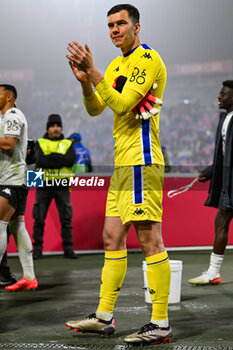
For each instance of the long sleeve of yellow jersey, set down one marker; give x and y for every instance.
(120, 104)
(94, 104)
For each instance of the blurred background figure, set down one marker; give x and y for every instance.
(168, 167)
(83, 156)
(6, 277)
(13, 190)
(220, 191)
(56, 156)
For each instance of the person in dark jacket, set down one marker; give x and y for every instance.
(168, 167)
(56, 156)
(221, 186)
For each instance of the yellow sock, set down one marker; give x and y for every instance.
(113, 274)
(159, 278)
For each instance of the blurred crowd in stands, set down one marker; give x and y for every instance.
(188, 132)
(187, 123)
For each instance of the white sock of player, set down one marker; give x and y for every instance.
(107, 316)
(215, 265)
(3, 238)
(161, 323)
(24, 247)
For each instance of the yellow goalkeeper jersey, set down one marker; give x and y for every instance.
(136, 141)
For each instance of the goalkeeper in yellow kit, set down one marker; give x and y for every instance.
(135, 193)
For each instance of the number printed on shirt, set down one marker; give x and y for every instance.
(138, 76)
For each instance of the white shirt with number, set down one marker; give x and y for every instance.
(12, 165)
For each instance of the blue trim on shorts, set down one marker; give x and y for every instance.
(146, 142)
(157, 262)
(137, 184)
(124, 257)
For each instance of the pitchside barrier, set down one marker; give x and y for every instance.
(187, 223)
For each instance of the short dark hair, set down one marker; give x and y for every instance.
(132, 11)
(10, 88)
(228, 83)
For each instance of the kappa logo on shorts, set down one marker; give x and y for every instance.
(138, 211)
(35, 178)
(7, 191)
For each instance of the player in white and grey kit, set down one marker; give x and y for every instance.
(13, 191)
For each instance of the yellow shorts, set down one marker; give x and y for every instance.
(135, 193)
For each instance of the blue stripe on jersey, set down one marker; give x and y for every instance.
(146, 47)
(146, 142)
(137, 184)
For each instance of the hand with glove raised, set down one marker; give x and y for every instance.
(146, 107)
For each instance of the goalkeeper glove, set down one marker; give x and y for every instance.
(145, 109)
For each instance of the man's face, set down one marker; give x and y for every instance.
(4, 96)
(122, 30)
(54, 132)
(225, 99)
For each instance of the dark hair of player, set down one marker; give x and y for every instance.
(132, 11)
(10, 88)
